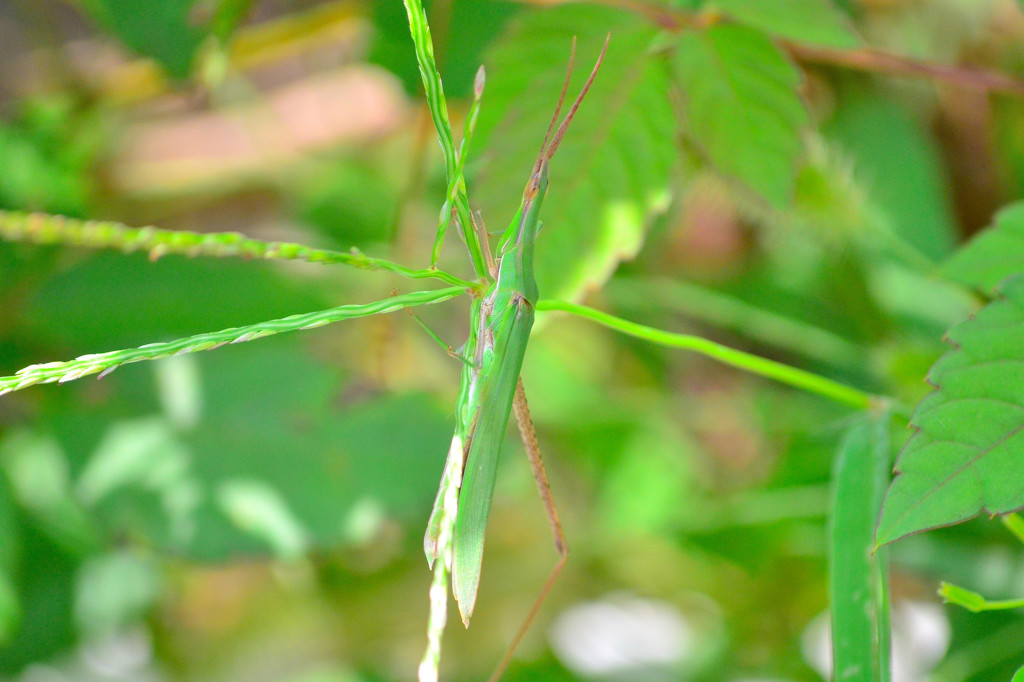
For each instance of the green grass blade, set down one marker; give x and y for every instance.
(106, 362)
(439, 113)
(40, 228)
(857, 578)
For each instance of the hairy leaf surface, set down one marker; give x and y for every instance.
(968, 452)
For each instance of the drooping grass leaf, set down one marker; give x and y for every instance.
(610, 174)
(818, 22)
(742, 107)
(994, 254)
(859, 599)
(968, 451)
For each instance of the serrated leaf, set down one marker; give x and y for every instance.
(818, 22)
(610, 174)
(994, 254)
(162, 29)
(968, 451)
(742, 107)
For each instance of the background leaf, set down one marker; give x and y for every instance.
(742, 107)
(968, 451)
(818, 22)
(611, 173)
(898, 160)
(993, 255)
(271, 434)
(162, 29)
(109, 300)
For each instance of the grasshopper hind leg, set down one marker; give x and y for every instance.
(522, 411)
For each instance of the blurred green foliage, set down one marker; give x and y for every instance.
(257, 512)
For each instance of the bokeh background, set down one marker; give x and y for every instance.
(256, 513)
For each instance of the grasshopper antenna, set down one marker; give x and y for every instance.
(560, 133)
(561, 98)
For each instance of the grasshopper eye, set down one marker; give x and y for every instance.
(532, 188)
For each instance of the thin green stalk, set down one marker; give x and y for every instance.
(771, 369)
(749, 320)
(103, 363)
(39, 228)
(439, 113)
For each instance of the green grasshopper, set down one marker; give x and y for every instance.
(500, 324)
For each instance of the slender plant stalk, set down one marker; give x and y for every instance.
(439, 113)
(747, 319)
(103, 363)
(39, 228)
(792, 376)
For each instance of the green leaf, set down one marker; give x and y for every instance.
(817, 22)
(860, 609)
(992, 255)
(611, 173)
(968, 450)
(742, 107)
(275, 466)
(162, 29)
(1019, 675)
